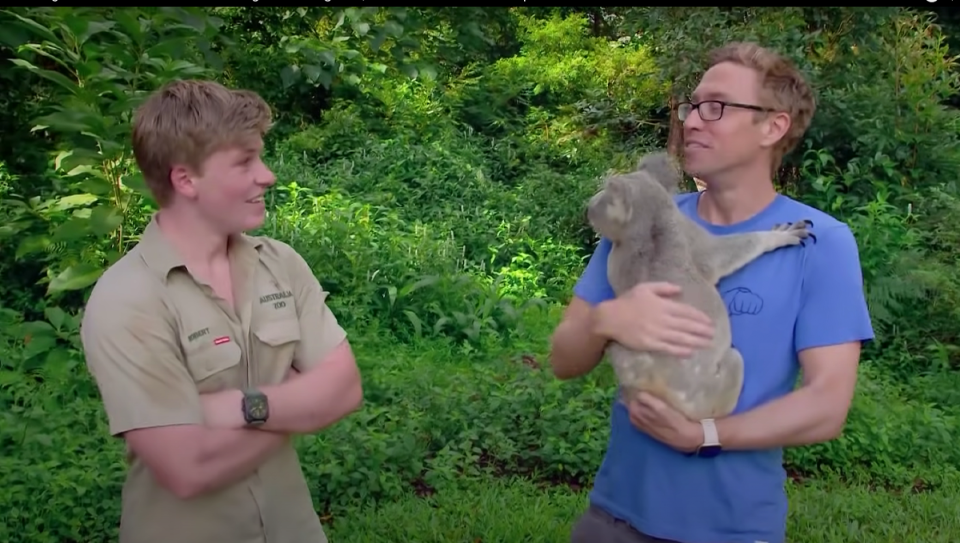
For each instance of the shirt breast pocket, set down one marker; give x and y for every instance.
(215, 367)
(277, 342)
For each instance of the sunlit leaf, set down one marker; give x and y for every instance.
(75, 277)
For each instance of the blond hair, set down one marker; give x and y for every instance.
(184, 122)
(782, 88)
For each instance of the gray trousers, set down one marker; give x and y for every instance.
(598, 526)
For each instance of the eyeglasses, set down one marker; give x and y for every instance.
(712, 110)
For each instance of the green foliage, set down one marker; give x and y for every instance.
(433, 166)
(86, 215)
(411, 278)
(436, 417)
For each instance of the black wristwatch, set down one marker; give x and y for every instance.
(255, 407)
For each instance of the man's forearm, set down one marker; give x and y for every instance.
(316, 399)
(803, 417)
(225, 456)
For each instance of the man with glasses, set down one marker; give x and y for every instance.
(665, 478)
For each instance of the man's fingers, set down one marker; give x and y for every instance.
(673, 348)
(663, 288)
(636, 411)
(690, 334)
(690, 313)
(649, 401)
(644, 413)
(687, 319)
(699, 333)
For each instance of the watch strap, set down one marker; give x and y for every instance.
(711, 439)
(710, 435)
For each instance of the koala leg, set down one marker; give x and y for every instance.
(727, 254)
(730, 375)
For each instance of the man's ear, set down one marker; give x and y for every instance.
(775, 128)
(183, 181)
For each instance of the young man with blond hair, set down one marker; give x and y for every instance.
(669, 479)
(211, 347)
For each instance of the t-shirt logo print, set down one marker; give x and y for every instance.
(742, 301)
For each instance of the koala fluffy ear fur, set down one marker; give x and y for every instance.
(610, 210)
(664, 168)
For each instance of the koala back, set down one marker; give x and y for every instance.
(659, 247)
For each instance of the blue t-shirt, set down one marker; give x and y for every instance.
(787, 300)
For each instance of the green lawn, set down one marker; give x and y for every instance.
(518, 511)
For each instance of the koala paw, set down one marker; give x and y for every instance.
(800, 229)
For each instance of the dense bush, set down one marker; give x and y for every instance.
(434, 415)
(433, 167)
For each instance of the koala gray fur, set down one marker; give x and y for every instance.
(652, 240)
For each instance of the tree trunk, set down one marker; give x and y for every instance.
(675, 134)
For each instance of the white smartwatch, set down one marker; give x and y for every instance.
(711, 440)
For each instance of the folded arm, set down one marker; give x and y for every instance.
(328, 386)
(191, 460)
(303, 404)
(151, 400)
(317, 398)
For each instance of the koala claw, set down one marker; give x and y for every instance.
(792, 225)
(800, 228)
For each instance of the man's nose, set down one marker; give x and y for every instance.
(693, 120)
(267, 178)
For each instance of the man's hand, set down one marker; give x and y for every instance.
(647, 319)
(655, 418)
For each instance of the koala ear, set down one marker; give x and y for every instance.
(610, 211)
(664, 168)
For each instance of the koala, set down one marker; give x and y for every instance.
(652, 240)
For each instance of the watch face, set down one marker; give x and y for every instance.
(257, 407)
(709, 451)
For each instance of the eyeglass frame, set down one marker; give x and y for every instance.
(723, 106)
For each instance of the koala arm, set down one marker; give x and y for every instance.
(720, 256)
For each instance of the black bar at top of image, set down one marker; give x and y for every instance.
(938, 6)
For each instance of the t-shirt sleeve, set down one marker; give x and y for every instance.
(594, 286)
(833, 307)
(320, 332)
(131, 350)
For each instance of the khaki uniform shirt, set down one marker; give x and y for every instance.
(155, 339)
